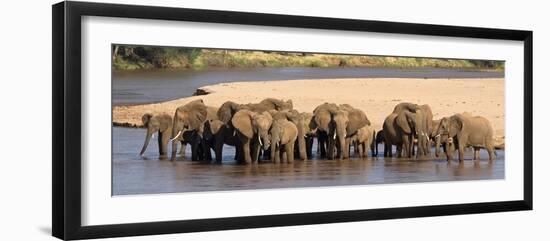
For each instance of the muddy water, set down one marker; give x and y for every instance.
(139, 87)
(133, 174)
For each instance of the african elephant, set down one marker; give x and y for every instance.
(437, 137)
(322, 121)
(309, 134)
(466, 130)
(162, 124)
(347, 121)
(400, 127)
(297, 119)
(252, 129)
(393, 135)
(414, 124)
(216, 135)
(364, 140)
(189, 122)
(283, 136)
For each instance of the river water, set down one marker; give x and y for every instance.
(134, 174)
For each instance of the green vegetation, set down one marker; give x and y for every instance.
(137, 57)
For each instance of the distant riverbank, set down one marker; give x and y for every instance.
(147, 58)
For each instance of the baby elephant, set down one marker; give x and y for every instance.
(283, 135)
(364, 140)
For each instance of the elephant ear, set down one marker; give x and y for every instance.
(146, 118)
(456, 122)
(165, 122)
(227, 110)
(242, 121)
(197, 114)
(402, 121)
(357, 120)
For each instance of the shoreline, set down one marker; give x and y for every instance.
(479, 96)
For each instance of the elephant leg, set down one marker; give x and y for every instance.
(207, 155)
(461, 147)
(183, 147)
(174, 150)
(406, 147)
(309, 146)
(239, 157)
(491, 151)
(255, 152)
(330, 148)
(360, 150)
(159, 142)
(277, 155)
(164, 143)
(246, 151)
(218, 149)
(346, 148)
(290, 153)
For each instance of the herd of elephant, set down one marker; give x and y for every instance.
(273, 130)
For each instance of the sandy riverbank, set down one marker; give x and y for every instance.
(376, 97)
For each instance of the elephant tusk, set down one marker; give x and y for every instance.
(437, 136)
(178, 135)
(234, 132)
(334, 136)
(260, 140)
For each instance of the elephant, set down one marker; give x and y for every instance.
(400, 127)
(335, 126)
(283, 136)
(348, 121)
(308, 133)
(406, 122)
(162, 124)
(252, 129)
(437, 138)
(188, 122)
(364, 140)
(392, 135)
(379, 139)
(465, 130)
(217, 134)
(322, 121)
(207, 141)
(298, 120)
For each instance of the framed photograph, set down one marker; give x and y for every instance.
(171, 120)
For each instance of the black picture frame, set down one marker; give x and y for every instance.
(66, 127)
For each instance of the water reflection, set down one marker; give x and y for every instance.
(145, 175)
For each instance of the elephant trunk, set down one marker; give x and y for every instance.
(146, 143)
(344, 150)
(302, 144)
(437, 145)
(175, 135)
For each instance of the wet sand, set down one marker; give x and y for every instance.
(375, 96)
